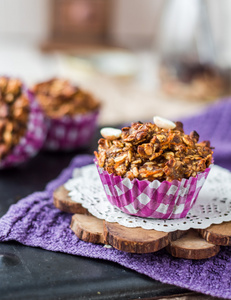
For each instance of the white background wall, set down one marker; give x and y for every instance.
(26, 19)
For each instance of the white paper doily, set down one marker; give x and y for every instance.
(213, 205)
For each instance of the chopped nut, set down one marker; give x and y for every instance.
(188, 141)
(148, 149)
(163, 123)
(121, 158)
(161, 138)
(110, 133)
(101, 159)
(179, 126)
(120, 170)
(168, 155)
(194, 136)
(138, 161)
(129, 156)
(155, 155)
(135, 171)
(130, 175)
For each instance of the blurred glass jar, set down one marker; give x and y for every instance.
(189, 67)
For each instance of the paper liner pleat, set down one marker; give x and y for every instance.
(162, 200)
(69, 133)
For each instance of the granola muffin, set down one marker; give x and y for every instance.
(153, 169)
(21, 123)
(71, 114)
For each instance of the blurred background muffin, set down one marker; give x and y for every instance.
(71, 114)
(22, 130)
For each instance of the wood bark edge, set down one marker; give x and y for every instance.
(87, 228)
(192, 246)
(63, 202)
(218, 234)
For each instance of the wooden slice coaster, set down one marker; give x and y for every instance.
(88, 228)
(192, 246)
(182, 244)
(134, 240)
(63, 202)
(218, 234)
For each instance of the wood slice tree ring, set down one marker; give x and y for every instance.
(134, 240)
(192, 246)
(218, 234)
(62, 201)
(88, 228)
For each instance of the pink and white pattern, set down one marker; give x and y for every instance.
(161, 200)
(70, 133)
(34, 138)
(213, 205)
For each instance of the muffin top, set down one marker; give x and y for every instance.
(60, 98)
(14, 113)
(147, 152)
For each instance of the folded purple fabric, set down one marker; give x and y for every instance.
(215, 125)
(34, 221)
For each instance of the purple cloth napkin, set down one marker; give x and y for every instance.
(215, 125)
(34, 221)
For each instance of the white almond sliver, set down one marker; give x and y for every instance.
(110, 133)
(163, 123)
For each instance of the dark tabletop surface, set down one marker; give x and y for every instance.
(33, 273)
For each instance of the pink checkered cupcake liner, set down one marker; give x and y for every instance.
(33, 140)
(69, 133)
(159, 200)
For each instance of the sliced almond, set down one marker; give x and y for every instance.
(110, 133)
(163, 123)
